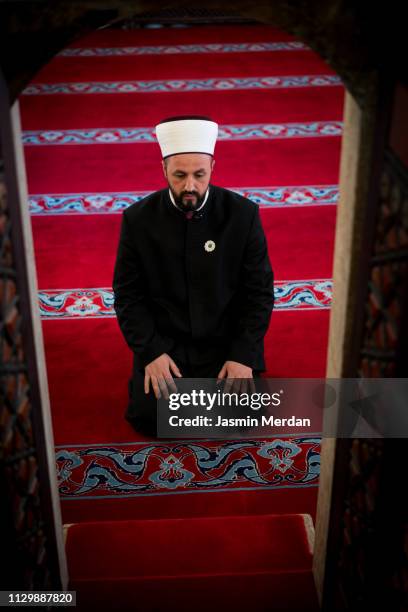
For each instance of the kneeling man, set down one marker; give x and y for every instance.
(193, 283)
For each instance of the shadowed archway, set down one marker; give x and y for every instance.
(348, 39)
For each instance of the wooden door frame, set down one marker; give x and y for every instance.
(27, 287)
(363, 144)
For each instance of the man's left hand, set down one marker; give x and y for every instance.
(233, 370)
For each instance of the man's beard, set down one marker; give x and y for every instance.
(188, 204)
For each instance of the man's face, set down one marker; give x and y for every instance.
(188, 175)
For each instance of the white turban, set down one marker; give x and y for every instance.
(193, 134)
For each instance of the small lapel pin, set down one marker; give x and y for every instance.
(209, 246)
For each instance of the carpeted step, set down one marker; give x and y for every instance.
(226, 563)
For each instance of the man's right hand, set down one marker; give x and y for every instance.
(158, 373)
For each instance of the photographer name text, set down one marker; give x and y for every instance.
(264, 421)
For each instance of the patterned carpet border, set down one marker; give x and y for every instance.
(243, 47)
(145, 135)
(140, 469)
(98, 302)
(183, 85)
(114, 203)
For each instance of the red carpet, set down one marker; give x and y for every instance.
(231, 563)
(106, 470)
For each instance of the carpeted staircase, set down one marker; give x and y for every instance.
(90, 152)
(180, 525)
(228, 563)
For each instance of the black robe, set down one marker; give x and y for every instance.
(174, 292)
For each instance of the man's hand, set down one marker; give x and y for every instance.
(158, 373)
(232, 370)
